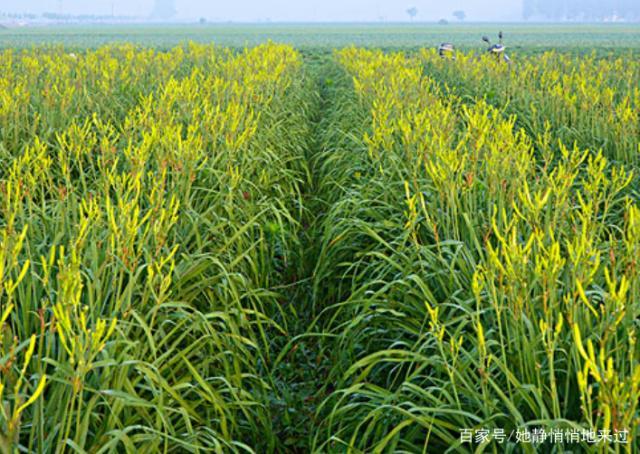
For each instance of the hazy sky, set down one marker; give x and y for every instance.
(284, 10)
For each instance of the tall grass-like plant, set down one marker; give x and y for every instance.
(480, 266)
(150, 204)
(589, 100)
(265, 250)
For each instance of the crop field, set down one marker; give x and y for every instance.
(279, 249)
(397, 36)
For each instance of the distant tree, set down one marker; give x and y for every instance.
(164, 9)
(412, 12)
(203, 20)
(460, 15)
(443, 22)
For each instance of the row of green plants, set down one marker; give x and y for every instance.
(471, 281)
(585, 100)
(150, 204)
(207, 250)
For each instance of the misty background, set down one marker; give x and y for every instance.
(324, 10)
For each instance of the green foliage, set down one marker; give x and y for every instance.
(522, 37)
(468, 266)
(150, 204)
(265, 250)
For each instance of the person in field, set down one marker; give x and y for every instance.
(497, 49)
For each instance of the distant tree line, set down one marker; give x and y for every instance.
(82, 17)
(61, 17)
(162, 10)
(18, 16)
(582, 10)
